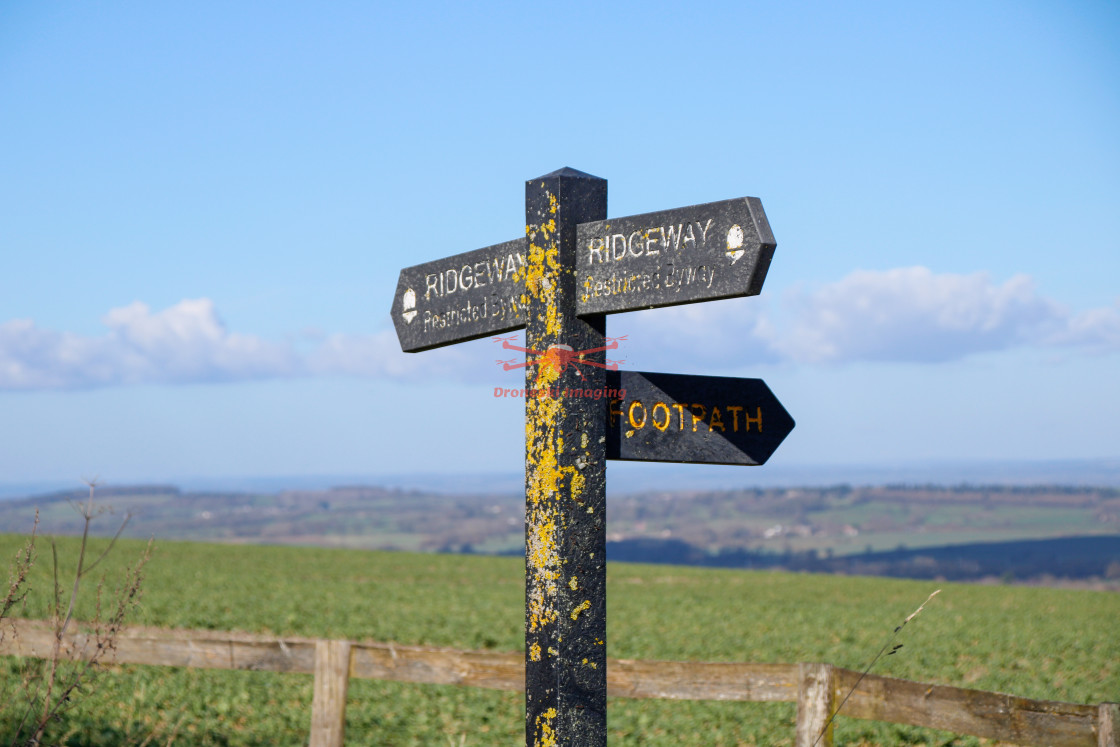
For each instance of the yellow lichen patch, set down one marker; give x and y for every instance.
(548, 483)
(543, 263)
(578, 481)
(543, 563)
(573, 583)
(548, 228)
(549, 367)
(585, 605)
(544, 517)
(545, 735)
(535, 652)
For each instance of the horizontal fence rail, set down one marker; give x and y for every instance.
(816, 688)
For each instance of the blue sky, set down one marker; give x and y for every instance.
(204, 208)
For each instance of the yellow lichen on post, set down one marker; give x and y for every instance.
(546, 735)
(543, 268)
(546, 479)
(543, 515)
(564, 466)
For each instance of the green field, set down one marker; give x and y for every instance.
(1035, 642)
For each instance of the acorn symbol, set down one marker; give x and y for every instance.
(408, 305)
(735, 243)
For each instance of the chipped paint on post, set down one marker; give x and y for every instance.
(565, 570)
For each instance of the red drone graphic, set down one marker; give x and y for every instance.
(557, 357)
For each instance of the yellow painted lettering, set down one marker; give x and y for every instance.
(636, 404)
(680, 413)
(697, 418)
(668, 416)
(615, 409)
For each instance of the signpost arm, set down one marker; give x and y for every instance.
(565, 474)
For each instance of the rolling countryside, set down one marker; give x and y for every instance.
(1045, 643)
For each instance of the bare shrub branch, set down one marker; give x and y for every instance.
(51, 687)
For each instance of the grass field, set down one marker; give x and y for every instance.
(1035, 642)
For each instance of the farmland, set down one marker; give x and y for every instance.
(840, 529)
(1036, 642)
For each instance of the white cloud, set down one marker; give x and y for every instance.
(908, 314)
(912, 314)
(189, 343)
(1096, 330)
(184, 343)
(379, 356)
(699, 335)
(905, 315)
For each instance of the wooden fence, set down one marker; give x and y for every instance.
(816, 688)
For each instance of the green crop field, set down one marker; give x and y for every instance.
(1035, 642)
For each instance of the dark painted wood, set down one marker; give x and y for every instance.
(565, 477)
(660, 417)
(699, 253)
(470, 295)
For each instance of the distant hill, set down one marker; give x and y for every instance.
(1090, 557)
(918, 531)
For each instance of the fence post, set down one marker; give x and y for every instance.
(815, 698)
(1108, 725)
(328, 704)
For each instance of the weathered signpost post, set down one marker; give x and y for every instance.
(572, 267)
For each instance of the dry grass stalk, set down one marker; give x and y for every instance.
(894, 649)
(50, 687)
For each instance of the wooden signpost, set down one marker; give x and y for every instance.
(571, 269)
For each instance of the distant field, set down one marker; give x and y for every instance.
(1041, 643)
(834, 522)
